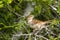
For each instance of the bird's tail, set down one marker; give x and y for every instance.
(48, 22)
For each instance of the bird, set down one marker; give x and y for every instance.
(36, 24)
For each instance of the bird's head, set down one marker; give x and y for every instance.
(30, 18)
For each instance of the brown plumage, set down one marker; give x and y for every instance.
(36, 24)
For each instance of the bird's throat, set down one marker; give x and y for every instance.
(29, 21)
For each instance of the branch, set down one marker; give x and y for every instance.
(42, 37)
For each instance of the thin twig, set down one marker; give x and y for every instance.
(42, 37)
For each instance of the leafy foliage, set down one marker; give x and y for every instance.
(11, 20)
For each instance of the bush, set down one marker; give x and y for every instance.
(13, 23)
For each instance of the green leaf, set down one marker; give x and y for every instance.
(1, 5)
(1, 2)
(16, 7)
(51, 37)
(8, 1)
(37, 10)
(44, 0)
(55, 22)
(58, 10)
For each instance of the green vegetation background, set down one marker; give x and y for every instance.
(12, 10)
